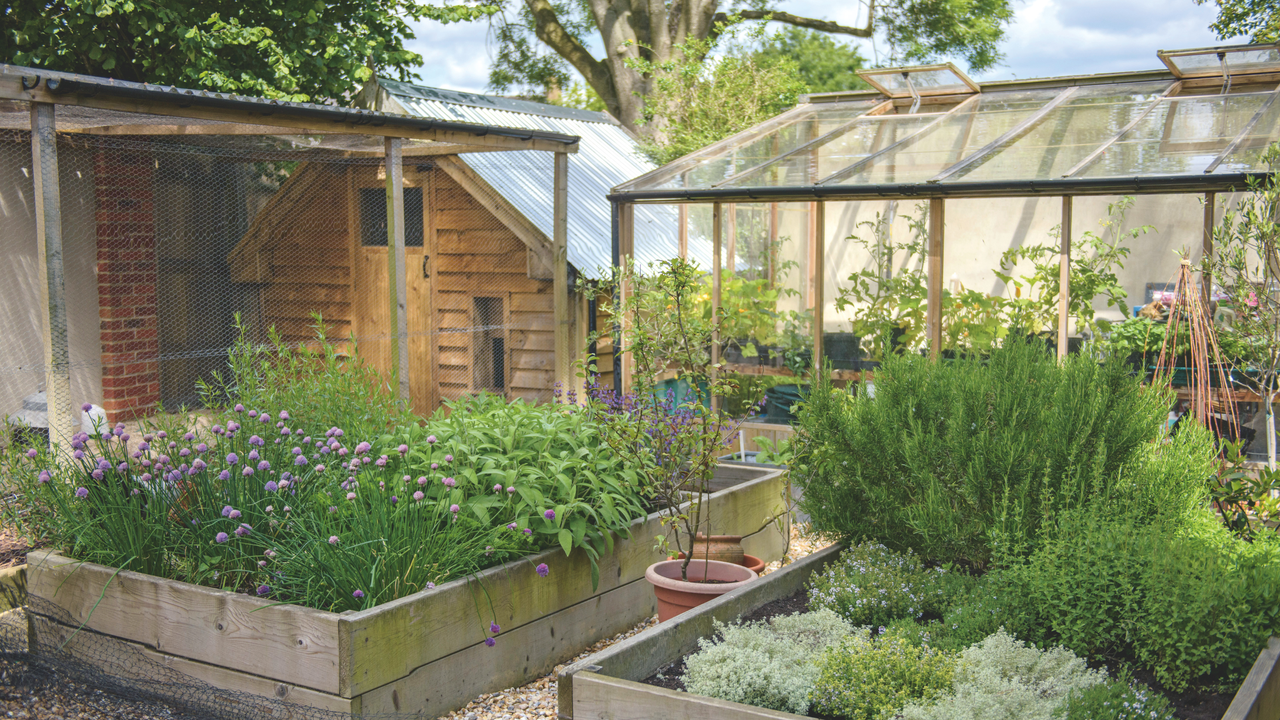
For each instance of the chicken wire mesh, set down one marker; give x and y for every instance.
(178, 238)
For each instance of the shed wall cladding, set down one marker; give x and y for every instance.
(319, 245)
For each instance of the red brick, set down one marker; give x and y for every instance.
(108, 325)
(146, 333)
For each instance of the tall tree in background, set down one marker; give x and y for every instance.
(641, 39)
(822, 63)
(286, 49)
(1257, 19)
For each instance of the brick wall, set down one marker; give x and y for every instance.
(126, 246)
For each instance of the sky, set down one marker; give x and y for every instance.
(1047, 37)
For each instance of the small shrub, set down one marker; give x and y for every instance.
(767, 664)
(1115, 700)
(1004, 678)
(861, 680)
(873, 585)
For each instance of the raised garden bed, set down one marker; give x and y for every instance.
(622, 682)
(423, 653)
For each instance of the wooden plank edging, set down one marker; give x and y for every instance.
(13, 587)
(639, 656)
(1259, 695)
(626, 700)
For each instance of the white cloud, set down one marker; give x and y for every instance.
(1047, 37)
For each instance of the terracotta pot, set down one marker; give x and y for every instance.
(676, 595)
(725, 548)
(750, 562)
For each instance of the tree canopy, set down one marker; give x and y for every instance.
(1257, 19)
(822, 63)
(286, 49)
(643, 38)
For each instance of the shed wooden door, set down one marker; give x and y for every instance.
(372, 290)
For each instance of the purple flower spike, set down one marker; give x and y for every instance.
(550, 514)
(82, 492)
(264, 589)
(221, 537)
(543, 570)
(357, 594)
(490, 642)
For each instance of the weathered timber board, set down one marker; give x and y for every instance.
(287, 643)
(529, 651)
(140, 665)
(641, 655)
(392, 640)
(1259, 695)
(598, 696)
(13, 587)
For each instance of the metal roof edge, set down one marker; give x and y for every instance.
(60, 83)
(494, 102)
(1062, 81)
(1137, 185)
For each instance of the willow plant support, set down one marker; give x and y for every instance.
(1188, 313)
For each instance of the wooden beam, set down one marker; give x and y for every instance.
(429, 182)
(1064, 278)
(933, 318)
(731, 252)
(1206, 244)
(507, 214)
(53, 299)
(560, 272)
(819, 280)
(717, 222)
(683, 236)
(1259, 695)
(398, 296)
(275, 116)
(627, 252)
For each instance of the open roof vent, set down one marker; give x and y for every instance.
(920, 81)
(1225, 62)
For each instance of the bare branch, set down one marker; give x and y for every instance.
(812, 23)
(551, 32)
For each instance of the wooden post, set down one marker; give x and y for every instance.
(717, 222)
(1064, 278)
(627, 251)
(933, 322)
(1206, 276)
(433, 320)
(398, 323)
(731, 253)
(560, 272)
(819, 280)
(53, 301)
(773, 242)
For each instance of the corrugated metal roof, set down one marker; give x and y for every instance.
(606, 157)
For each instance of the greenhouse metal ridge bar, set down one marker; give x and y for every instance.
(36, 85)
(1136, 185)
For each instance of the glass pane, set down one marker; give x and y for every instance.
(1247, 157)
(952, 140)
(1066, 135)
(867, 136)
(811, 122)
(936, 81)
(1238, 61)
(1180, 136)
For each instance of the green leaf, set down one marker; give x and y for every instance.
(566, 541)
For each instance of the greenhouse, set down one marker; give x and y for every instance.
(939, 182)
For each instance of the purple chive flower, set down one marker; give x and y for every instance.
(232, 458)
(284, 414)
(224, 475)
(284, 484)
(235, 515)
(263, 418)
(497, 488)
(86, 407)
(333, 509)
(96, 474)
(550, 514)
(271, 486)
(264, 466)
(243, 530)
(189, 436)
(363, 448)
(493, 628)
(44, 477)
(431, 585)
(543, 570)
(199, 465)
(511, 489)
(146, 477)
(528, 531)
(255, 440)
(435, 466)
(184, 452)
(351, 496)
(319, 468)
(82, 492)
(144, 446)
(32, 453)
(418, 496)
(253, 413)
(262, 563)
(453, 509)
(490, 642)
(226, 510)
(381, 462)
(333, 539)
(431, 439)
(269, 553)
(449, 482)
(123, 467)
(394, 499)
(202, 448)
(239, 407)
(221, 537)
(254, 456)
(287, 508)
(79, 454)
(403, 448)
(247, 471)
(300, 460)
(511, 526)
(422, 480)
(357, 594)
(448, 458)
(263, 589)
